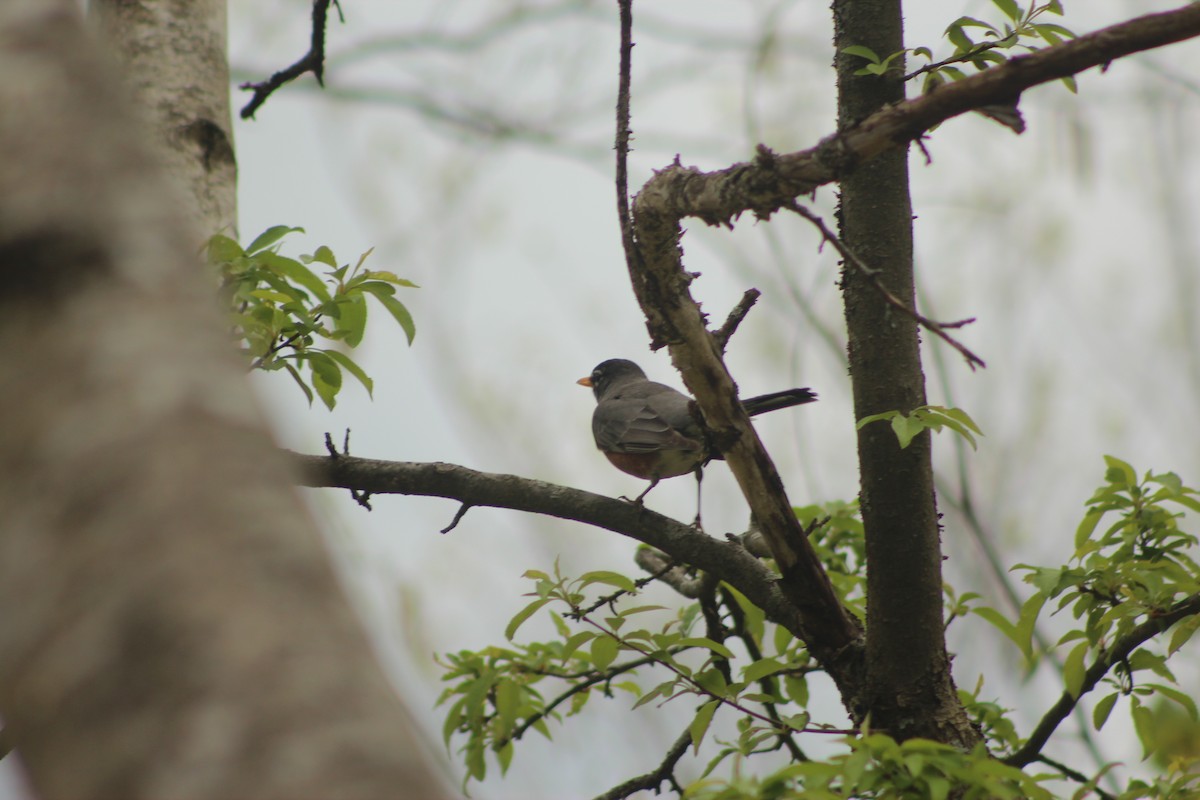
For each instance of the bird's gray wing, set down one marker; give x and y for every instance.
(644, 421)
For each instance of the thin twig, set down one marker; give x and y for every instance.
(458, 515)
(652, 780)
(937, 328)
(735, 318)
(313, 61)
(617, 595)
(1076, 776)
(679, 577)
(969, 55)
(768, 683)
(623, 134)
(592, 679)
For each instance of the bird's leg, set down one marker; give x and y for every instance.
(637, 501)
(699, 479)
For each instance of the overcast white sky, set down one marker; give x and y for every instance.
(1075, 246)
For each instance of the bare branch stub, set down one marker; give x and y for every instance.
(736, 315)
(313, 61)
(458, 515)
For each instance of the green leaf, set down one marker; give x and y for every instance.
(454, 718)
(353, 368)
(504, 756)
(296, 272)
(352, 318)
(1027, 623)
(862, 423)
(1184, 630)
(389, 277)
(1087, 526)
(222, 249)
(861, 51)
(973, 22)
(1103, 709)
(958, 37)
(961, 416)
(700, 723)
(508, 700)
(1009, 8)
(300, 382)
(709, 644)
(608, 578)
(713, 682)
(1188, 704)
(998, 620)
(906, 429)
(383, 293)
(1143, 723)
(270, 236)
(1074, 671)
(325, 256)
(522, 615)
(604, 651)
(1119, 472)
(327, 377)
(572, 644)
(761, 669)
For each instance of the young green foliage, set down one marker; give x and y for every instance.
(1020, 29)
(747, 680)
(287, 317)
(935, 418)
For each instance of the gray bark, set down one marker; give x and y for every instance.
(173, 58)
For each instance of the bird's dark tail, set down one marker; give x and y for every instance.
(777, 400)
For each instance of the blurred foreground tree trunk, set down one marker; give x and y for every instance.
(171, 625)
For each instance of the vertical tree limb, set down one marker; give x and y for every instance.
(911, 692)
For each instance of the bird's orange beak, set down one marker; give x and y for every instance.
(585, 381)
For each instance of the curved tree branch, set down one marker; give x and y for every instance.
(767, 184)
(1120, 651)
(727, 560)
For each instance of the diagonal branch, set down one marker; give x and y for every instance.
(1120, 651)
(728, 561)
(313, 61)
(654, 260)
(653, 780)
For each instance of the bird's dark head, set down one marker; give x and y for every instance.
(608, 374)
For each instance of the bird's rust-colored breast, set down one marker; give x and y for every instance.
(660, 464)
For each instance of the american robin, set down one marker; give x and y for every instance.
(651, 431)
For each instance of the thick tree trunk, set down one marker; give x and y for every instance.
(911, 692)
(173, 56)
(171, 626)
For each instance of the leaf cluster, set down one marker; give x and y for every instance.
(1135, 569)
(877, 766)
(934, 418)
(723, 654)
(286, 316)
(977, 43)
